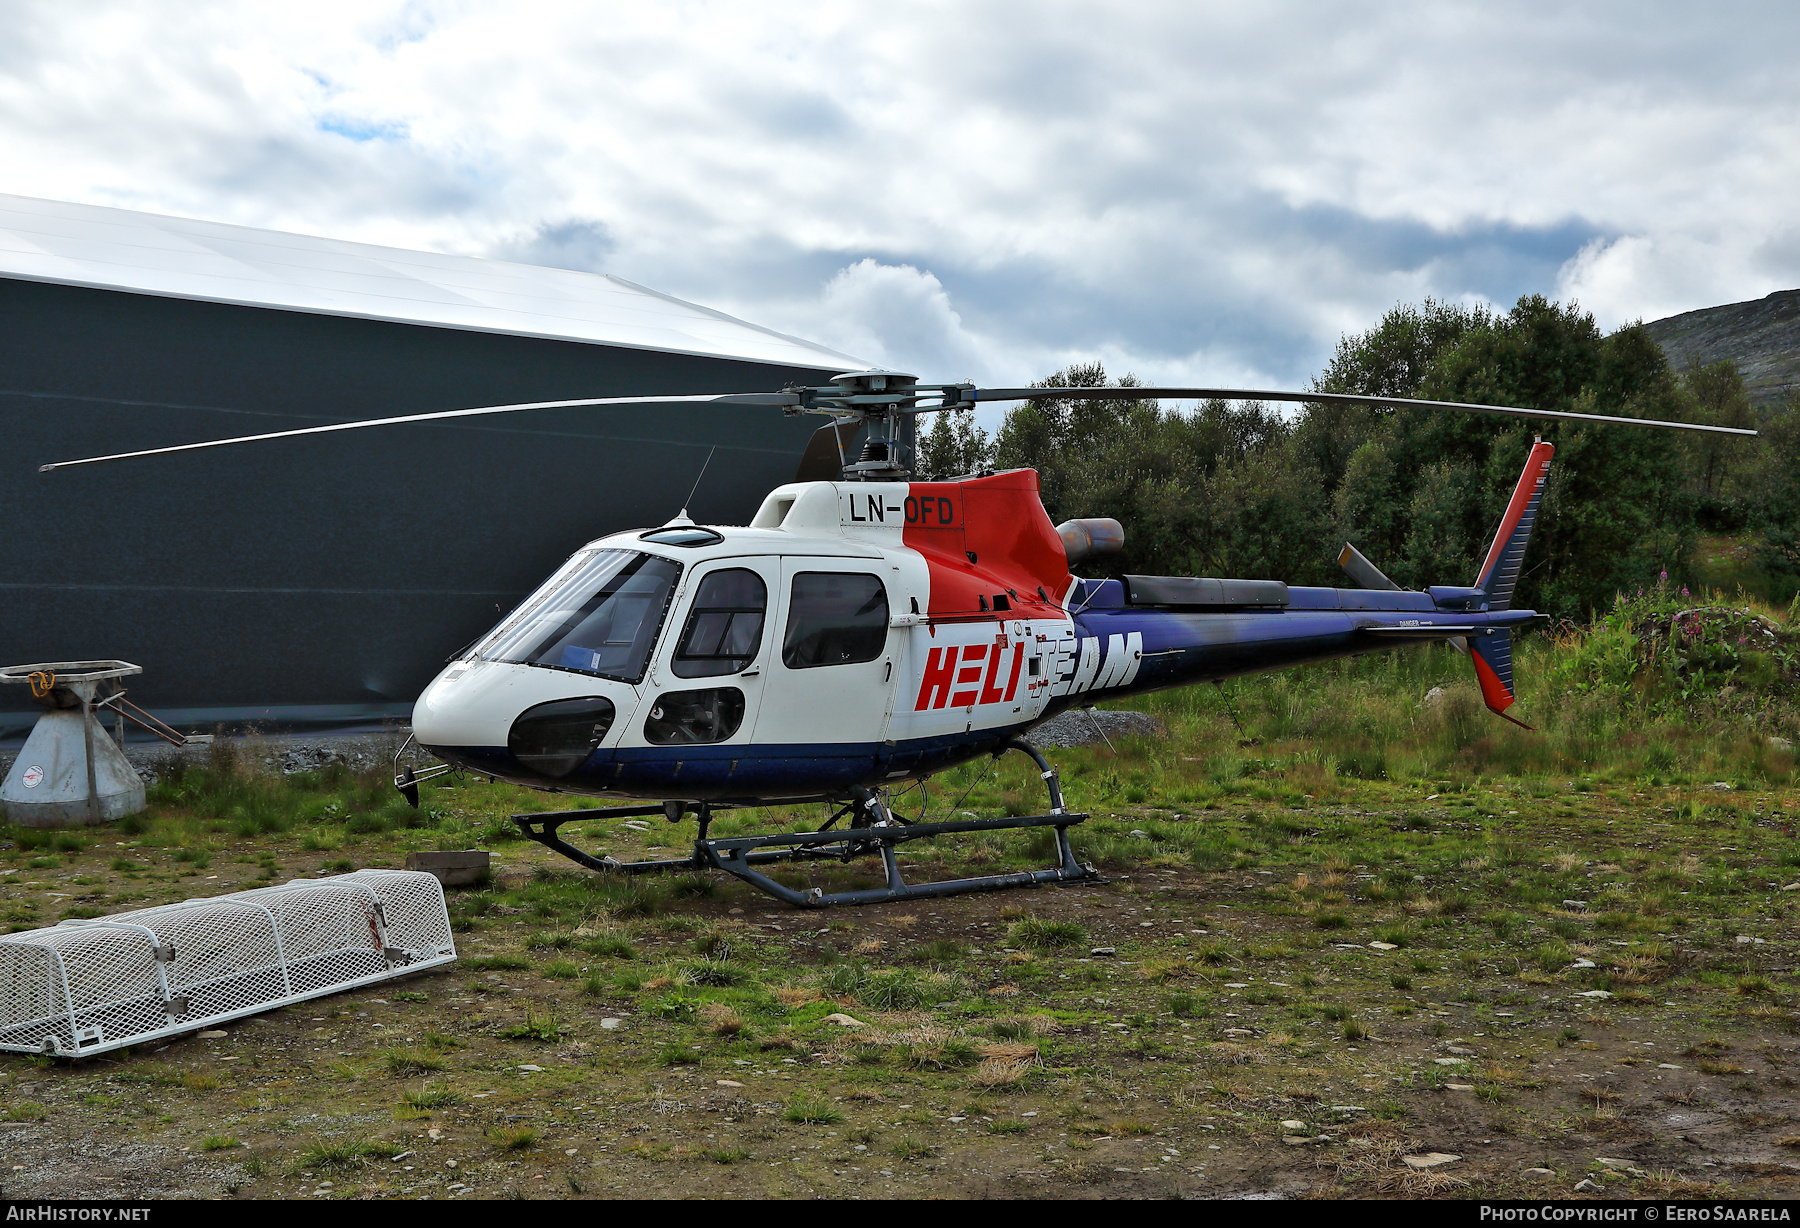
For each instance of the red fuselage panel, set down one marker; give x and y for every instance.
(988, 537)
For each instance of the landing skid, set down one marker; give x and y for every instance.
(874, 831)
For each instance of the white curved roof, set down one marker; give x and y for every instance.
(146, 253)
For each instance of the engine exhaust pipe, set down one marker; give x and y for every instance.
(1086, 539)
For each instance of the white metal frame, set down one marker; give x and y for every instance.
(83, 987)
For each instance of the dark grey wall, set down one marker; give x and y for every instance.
(323, 578)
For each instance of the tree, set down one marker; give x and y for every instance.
(1422, 490)
(1212, 491)
(1236, 489)
(953, 446)
(1777, 497)
(1719, 398)
(1389, 360)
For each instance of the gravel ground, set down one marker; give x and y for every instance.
(1085, 728)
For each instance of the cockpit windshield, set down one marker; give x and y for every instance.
(599, 615)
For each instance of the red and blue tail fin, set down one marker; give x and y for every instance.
(1500, 572)
(1493, 653)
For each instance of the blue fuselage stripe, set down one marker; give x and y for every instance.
(740, 772)
(1179, 648)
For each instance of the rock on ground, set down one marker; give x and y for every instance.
(1079, 727)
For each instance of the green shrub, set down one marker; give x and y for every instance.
(535, 1027)
(407, 1062)
(812, 1110)
(939, 951)
(429, 1097)
(611, 946)
(514, 1138)
(1036, 934)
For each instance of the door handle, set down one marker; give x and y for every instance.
(750, 673)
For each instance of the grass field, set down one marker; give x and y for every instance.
(1344, 925)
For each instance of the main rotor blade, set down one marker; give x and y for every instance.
(1327, 398)
(776, 399)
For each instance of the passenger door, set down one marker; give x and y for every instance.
(832, 658)
(707, 682)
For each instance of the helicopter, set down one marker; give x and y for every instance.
(865, 631)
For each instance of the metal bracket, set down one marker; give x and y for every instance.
(407, 781)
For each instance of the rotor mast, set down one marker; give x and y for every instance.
(888, 403)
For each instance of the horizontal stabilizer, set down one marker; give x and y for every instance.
(1417, 634)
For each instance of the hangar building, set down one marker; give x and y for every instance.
(323, 581)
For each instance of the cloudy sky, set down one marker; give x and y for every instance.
(1188, 190)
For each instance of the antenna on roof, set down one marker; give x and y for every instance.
(696, 486)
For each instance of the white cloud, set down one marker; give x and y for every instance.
(899, 317)
(1199, 191)
(1649, 276)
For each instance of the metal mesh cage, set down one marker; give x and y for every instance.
(84, 987)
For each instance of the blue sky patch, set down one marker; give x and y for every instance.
(362, 129)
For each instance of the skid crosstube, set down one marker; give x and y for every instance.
(739, 855)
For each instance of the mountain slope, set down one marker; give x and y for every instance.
(1761, 336)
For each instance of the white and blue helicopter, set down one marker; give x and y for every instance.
(865, 631)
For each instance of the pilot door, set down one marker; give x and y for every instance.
(707, 686)
(832, 656)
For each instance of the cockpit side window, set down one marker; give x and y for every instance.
(724, 628)
(600, 615)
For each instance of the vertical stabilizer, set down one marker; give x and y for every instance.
(1500, 571)
(1492, 655)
